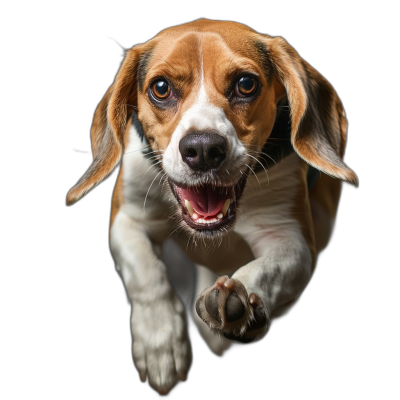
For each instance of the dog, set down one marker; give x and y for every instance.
(232, 145)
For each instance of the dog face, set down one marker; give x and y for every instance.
(207, 95)
(208, 116)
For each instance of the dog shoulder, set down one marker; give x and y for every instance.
(275, 204)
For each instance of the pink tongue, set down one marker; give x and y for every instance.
(205, 201)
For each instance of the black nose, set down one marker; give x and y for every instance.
(203, 151)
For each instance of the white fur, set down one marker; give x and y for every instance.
(160, 344)
(204, 116)
(274, 235)
(280, 271)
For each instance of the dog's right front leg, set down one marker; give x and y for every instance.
(160, 344)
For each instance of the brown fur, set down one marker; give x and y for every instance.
(118, 197)
(108, 127)
(302, 213)
(324, 201)
(216, 54)
(318, 132)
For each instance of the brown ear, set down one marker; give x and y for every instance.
(108, 127)
(319, 124)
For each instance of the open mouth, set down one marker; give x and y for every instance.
(208, 207)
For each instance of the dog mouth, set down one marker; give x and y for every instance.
(209, 207)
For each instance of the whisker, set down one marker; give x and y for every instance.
(251, 169)
(148, 169)
(151, 184)
(178, 227)
(265, 154)
(162, 178)
(161, 190)
(134, 151)
(261, 165)
(124, 49)
(257, 154)
(189, 240)
(152, 157)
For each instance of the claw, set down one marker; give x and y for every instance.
(221, 280)
(229, 283)
(163, 391)
(253, 299)
(182, 375)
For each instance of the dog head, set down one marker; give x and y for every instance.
(210, 95)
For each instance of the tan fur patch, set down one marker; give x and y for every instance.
(218, 53)
(302, 213)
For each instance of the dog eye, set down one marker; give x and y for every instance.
(245, 86)
(161, 89)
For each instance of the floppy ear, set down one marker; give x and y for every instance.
(318, 121)
(108, 127)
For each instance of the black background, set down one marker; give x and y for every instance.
(325, 346)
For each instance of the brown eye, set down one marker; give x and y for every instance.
(161, 89)
(246, 86)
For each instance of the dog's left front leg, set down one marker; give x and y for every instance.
(240, 307)
(160, 343)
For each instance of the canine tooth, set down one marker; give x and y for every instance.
(189, 207)
(226, 206)
(220, 215)
(195, 216)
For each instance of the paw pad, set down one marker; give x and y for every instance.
(227, 307)
(211, 304)
(234, 308)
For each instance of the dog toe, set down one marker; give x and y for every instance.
(234, 308)
(224, 306)
(227, 308)
(260, 316)
(211, 304)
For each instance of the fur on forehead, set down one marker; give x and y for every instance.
(315, 124)
(216, 43)
(200, 56)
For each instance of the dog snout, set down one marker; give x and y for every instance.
(203, 151)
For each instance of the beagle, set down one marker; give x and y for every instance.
(232, 145)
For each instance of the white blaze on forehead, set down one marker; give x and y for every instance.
(201, 116)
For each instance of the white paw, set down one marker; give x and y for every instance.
(160, 343)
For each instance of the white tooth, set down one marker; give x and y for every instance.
(225, 207)
(220, 215)
(189, 207)
(195, 216)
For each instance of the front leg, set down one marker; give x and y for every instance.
(160, 344)
(241, 306)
